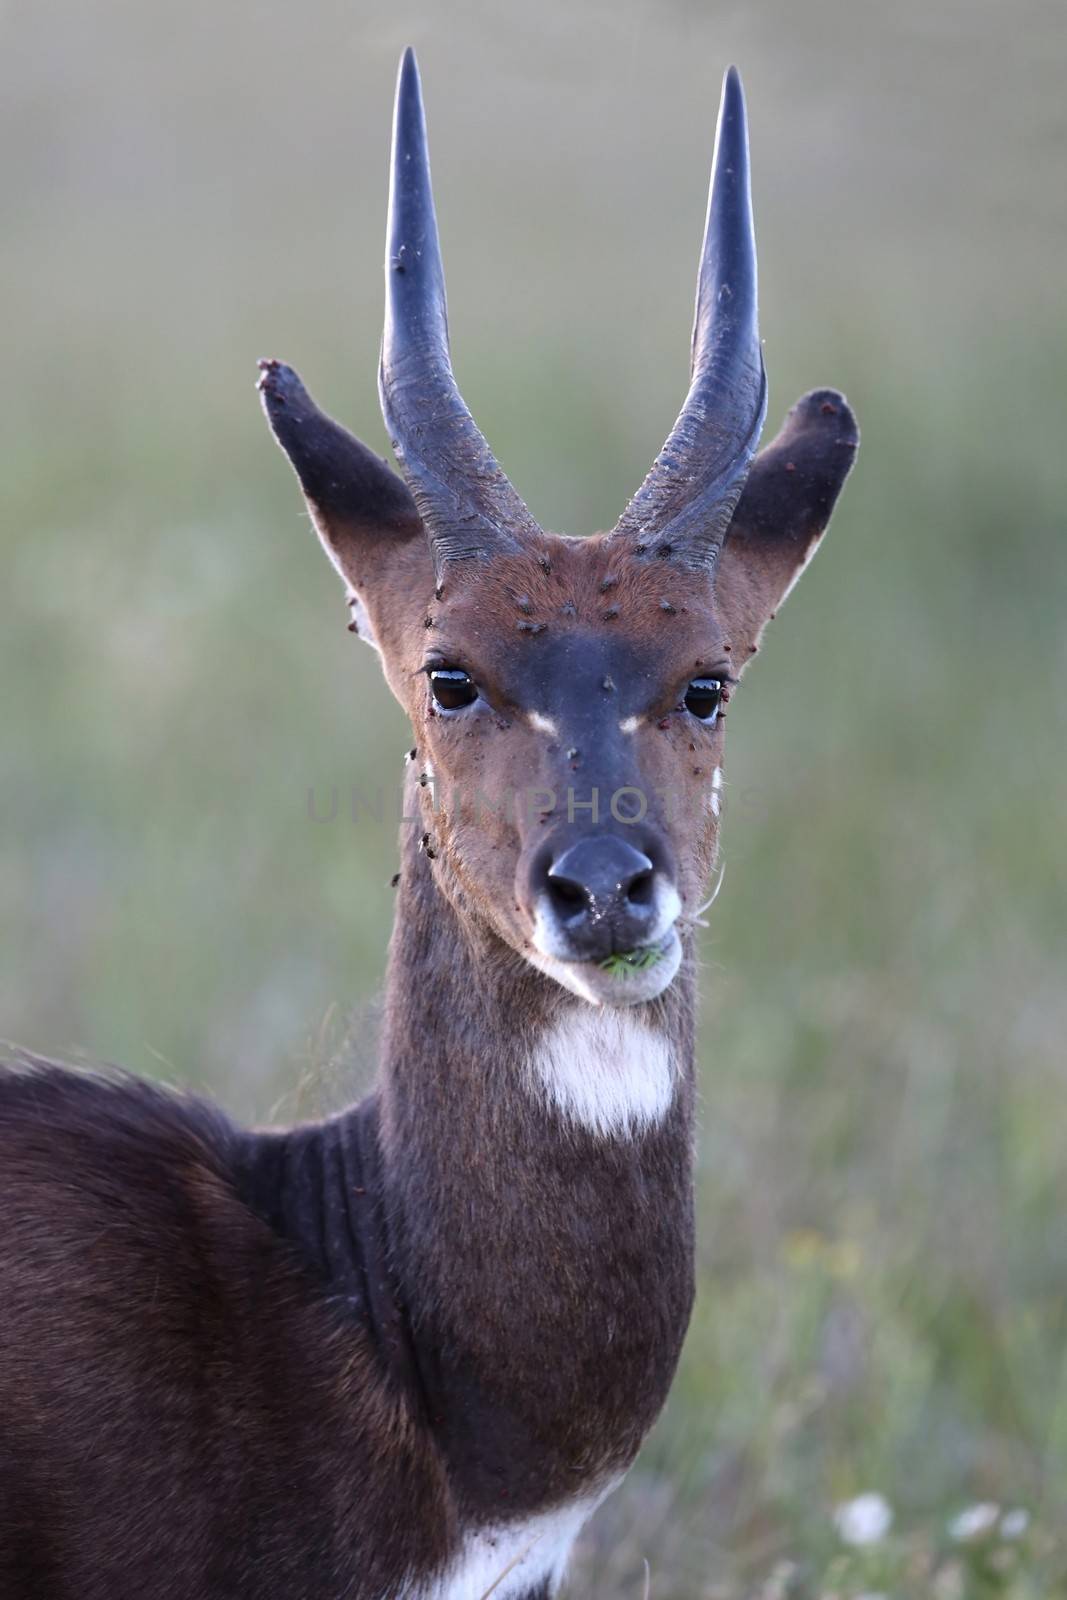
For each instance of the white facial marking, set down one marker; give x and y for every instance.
(543, 724)
(668, 910)
(715, 797)
(606, 1070)
(510, 1561)
(629, 724)
(568, 975)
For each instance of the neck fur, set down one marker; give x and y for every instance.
(537, 1176)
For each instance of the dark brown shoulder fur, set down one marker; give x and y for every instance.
(185, 1409)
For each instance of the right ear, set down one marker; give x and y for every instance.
(782, 513)
(365, 517)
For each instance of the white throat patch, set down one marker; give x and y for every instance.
(606, 1070)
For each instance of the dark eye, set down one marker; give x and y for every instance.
(703, 698)
(452, 688)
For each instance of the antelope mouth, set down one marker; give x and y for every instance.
(624, 978)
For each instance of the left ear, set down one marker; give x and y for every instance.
(783, 511)
(365, 517)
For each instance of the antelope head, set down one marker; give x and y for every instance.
(569, 695)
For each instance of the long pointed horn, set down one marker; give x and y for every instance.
(469, 507)
(683, 508)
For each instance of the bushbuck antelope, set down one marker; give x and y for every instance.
(406, 1351)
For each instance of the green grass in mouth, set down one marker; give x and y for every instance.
(623, 963)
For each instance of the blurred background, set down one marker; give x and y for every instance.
(883, 1154)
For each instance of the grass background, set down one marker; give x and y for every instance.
(883, 1172)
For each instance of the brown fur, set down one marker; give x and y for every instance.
(185, 1412)
(238, 1366)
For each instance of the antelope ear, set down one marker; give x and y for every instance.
(783, 511)
(365, 517)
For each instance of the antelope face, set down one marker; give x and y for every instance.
(568, 695)
(570, 707)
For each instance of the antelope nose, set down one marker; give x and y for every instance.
(601, 893)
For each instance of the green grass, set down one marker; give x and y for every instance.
(624, 963)
(882, 1170)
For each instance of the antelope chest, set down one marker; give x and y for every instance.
(524, 1558)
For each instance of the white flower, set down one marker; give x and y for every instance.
(975, 1522)
(1013, 1524)
(864, 1520)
